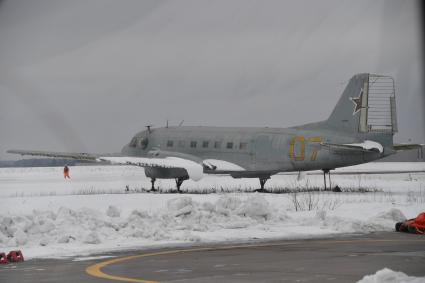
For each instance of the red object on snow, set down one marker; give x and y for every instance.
(3, 258)
(15, 256)
(419, 222)
(415, 225)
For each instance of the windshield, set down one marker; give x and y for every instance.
(139, 142)
(143, 143)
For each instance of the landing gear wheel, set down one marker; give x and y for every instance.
(153, 185)
(327, 171)
(263, 181)
(179, 182)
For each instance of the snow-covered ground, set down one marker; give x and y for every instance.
(47, 216)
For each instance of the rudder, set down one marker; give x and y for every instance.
(367, 105)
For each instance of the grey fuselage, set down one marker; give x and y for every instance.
(364, 113)
(257, 150)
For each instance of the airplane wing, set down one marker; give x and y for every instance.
(68, 155)
(215, 166)
(194, 169)
(158, 159)
(366, 146)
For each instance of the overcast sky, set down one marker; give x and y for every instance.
(86, 75)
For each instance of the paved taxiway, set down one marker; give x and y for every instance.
(338, 259)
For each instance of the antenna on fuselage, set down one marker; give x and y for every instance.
(181, 123)
(149, 128)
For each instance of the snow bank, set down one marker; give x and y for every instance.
(183, 219)
(113, 211)
(91, 227)
(383, 221)
(386, 275)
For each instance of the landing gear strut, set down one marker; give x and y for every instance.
(263, 181)
(153, 185)
(324, 178)
(179, 182)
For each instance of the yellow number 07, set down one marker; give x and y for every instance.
(303, 140)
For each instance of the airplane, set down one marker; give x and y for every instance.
(360, 129)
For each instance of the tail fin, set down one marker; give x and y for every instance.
(367, 105)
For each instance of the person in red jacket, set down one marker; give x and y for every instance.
(66, 172)
(415, 225)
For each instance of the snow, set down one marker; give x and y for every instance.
(84, 258)
(113, 211)
(387, 275)
(367, 144)
(47, 216)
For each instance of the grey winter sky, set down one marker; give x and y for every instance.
(86, 75)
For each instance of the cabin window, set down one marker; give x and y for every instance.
(229, 145)
(217, 144)
(170, 143)
(181, 144)
(205, 144)
(243, 146)
(193, 144)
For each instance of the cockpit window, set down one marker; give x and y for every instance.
(133, 142)
(143, 143)
(139, 142)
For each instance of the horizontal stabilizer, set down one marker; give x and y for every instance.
(406, 146)
(194, 170)
(366, 146)
(373, 168)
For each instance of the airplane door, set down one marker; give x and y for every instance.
(263, 148)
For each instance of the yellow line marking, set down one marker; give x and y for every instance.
(96, 269)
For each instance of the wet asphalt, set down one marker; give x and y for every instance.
(334, 259)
